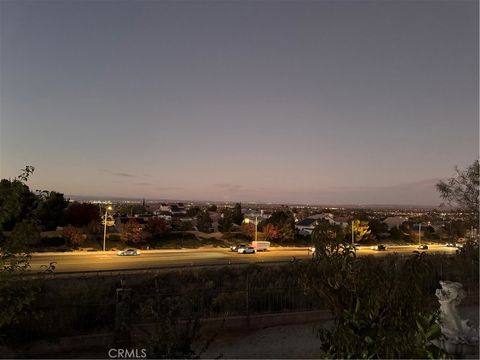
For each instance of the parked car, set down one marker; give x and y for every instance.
(353, 246)
(458, 245)
(422, 247)
(379, 247)
(450, 244)
(311, 249)
(237, 247)
(247, 250)
(129, 252)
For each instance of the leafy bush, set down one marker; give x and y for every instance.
(53, 241)
(379, 304)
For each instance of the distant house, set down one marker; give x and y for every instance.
(326, 216)
(306, 226)
(165, 208)
(178, 209)
(394, 221)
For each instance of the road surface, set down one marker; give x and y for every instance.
(91, 261)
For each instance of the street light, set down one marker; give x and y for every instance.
(419, 233)
(353, 234)
(105, 226)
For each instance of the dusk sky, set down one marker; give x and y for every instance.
(345, 102)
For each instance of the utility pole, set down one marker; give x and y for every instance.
(353, 235)
(105, 225)
(256, 227)
(419, 233)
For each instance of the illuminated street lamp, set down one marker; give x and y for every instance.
(105, 225)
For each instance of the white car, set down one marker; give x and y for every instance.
(129, 252)
(238, 247)
(247, 250)
(311, 250)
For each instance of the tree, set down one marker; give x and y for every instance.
(94, 227)
(248, 229)
(462, 190)
(16, 295)
(361, 230)
(456, 229)
(17, 202)
(226, 221)
(81, 214)
(204, 222)
(212, 208)
(270, 232)
(284, 221)
(237, 214)
(50, 210)
(72, 235)
(286, 233)
(193, 211)
(157, 227)
(377, 227)
(25, 233)
(132, 232)
(280, 218)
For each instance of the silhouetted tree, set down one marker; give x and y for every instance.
(193, 211)
(212, 208)
(26, 232)
(270, 232)
(16, 295)
(249, 230)
(157, 227)
(50, 210)
(237, 214)
(81, 214)
(72, 235)
(377, 227)
(17, 202)
(132, 232)
(204, 222)
(462, 190)
(226, 221)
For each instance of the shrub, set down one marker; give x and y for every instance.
(114, 237)
(53, 241)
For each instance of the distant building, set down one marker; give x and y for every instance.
(306, 226)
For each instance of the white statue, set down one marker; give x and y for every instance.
(458, 335)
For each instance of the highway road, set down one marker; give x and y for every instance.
(92, 261)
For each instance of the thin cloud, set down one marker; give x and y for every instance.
(121, 174)
(124, 174)
(229, 187)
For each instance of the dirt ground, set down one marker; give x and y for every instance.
(279, 342)
(286, 342)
